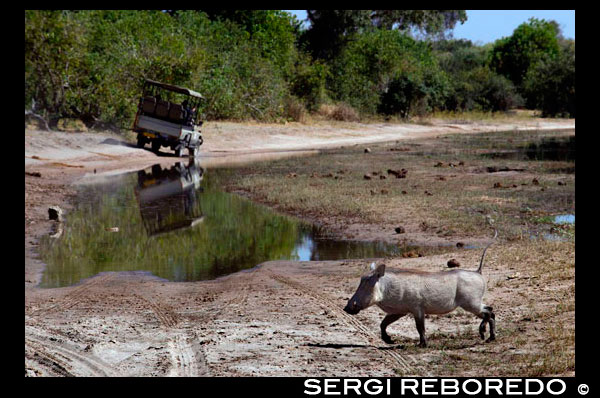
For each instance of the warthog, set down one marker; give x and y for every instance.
(399, 292)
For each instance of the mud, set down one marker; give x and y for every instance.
(279, 318)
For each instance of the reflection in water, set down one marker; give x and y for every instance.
(167, 197)
(550, 149)
(179, 225)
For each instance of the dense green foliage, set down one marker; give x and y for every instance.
(261, 64)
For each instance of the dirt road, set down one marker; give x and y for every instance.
(280, 318)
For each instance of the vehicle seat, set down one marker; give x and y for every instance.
(149, 105)
(176, 113)
(162, 108)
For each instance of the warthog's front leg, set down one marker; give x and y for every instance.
(390, 318)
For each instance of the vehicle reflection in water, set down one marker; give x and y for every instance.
(167, 197)
(178, 224)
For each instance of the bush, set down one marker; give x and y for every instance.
(344, 112)
(550, 85)
(387, 66)
(309, 82)
(295, 110)
(481, 89)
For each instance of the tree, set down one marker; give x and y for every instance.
(330, 30)
(530, 42)
(550, 84)
(373, 63)
(431, 22)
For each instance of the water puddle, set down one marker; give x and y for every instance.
(561, 230)
(550, 149)
(565, 219)
(178, 224)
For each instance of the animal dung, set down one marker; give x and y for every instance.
(398, 173)
(399, 230)
(453, 263)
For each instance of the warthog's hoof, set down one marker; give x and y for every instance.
(422, 344)
(387, 339)
(490, 339)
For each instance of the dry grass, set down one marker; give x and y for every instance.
(340, 112)
(448, 200)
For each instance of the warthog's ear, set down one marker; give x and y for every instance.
(380, 270)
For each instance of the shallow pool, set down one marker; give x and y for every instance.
(177, 223)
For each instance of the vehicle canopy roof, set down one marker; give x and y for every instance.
(177, 89)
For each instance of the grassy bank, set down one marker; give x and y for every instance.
(448, 185)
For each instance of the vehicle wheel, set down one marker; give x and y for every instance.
(193, 152)
(179, 151)
(155, 146)
(141, 141)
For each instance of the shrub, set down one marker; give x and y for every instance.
(344, 112)
(550, 85)
(386, 65)
(294, 110)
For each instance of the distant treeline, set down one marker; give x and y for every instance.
(264, 65)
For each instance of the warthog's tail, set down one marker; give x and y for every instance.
(484, 250)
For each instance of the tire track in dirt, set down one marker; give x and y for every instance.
(166, 317)
(71, 358)
(74, 297)
(187, 355)
(240, 291)
(41, 357)
(346, 318)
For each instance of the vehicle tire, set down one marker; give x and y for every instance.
(141, 141)
(155, 146)
(179, 151)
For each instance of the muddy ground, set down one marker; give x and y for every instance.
(280, 318)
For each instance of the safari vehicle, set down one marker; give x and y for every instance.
(168, 198)
(168, 116)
